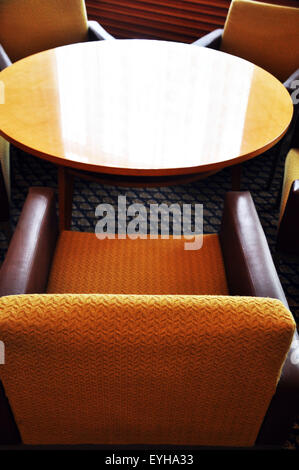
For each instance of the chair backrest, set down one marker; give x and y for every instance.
(265, 34)
(133, 369)
(30, 26)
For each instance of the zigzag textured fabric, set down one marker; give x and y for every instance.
(142, 369)
(85, 264)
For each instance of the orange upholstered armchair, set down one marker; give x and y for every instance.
(139, 342)
(268, 36)
(31, 26)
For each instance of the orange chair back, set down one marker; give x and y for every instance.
(30, 26)
(134, 369)
(265, 34)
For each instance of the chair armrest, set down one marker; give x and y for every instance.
(284, 406)
(288, 231)
(4, 59)
(28, 260)
(295, 136)
(4, 208)
(289, 83)
(292, 85)
(250, 271)
(211, 40)
(96, 32)
(248, 262)
(9, 433)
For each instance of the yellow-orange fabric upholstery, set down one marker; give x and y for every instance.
(291, 173)
(85, 264)
(30, 26)
(265, 34)
(142, 369)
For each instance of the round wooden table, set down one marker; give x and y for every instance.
(140, 112)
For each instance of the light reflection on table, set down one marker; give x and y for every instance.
(139, 107)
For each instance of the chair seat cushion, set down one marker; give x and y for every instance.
(84, 264)
(291, 173)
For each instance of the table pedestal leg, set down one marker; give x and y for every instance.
(65, 197)
(236, 172)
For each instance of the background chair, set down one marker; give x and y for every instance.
(288, 224)
(5, 163)
(268, 36)
(31, 26)
(143, 342)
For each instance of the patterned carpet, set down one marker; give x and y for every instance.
(29, 171)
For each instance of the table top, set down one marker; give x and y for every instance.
(142, 107)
